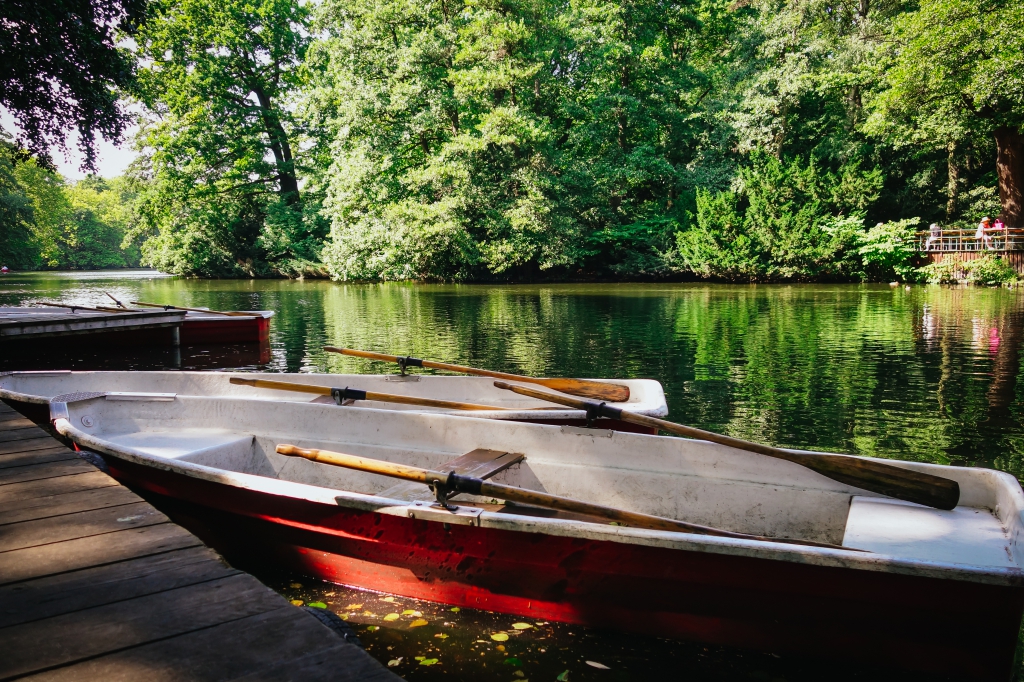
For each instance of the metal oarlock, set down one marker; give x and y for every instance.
(442, 493)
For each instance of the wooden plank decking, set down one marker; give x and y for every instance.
(96, 584)
(28, 324)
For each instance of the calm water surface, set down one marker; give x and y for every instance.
(924, 373)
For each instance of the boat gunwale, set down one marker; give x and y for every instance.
(851, 559)
(658, 406)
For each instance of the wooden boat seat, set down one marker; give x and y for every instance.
(479, 463)
(965, 535)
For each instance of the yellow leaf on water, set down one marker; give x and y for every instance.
(296, 586)
(298, 602)
(455, 609)
(501, 647)
(420, 658)
(391, 616)
(389, 599)
(410, 612)
(369, 614)
(499, 637)
(394, 661)
(521, 626)
(353, 607)
(419, 622)
(441, 635)
(428, 661)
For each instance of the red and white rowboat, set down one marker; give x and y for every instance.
(934, 590)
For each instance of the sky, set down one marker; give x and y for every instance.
(111, 160)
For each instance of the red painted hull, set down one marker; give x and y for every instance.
(225, 330)
(943, 626)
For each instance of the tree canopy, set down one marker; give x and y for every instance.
(60, 69)
(457, 140)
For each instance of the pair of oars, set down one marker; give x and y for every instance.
(231, 313)
(341, 394)
(451, 483)
(587, 388)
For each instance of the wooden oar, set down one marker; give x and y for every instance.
(232, 313)
(451, 483)
(73, 308)
(111, 297)
(598, 390)
(878, 477)
(340, 394)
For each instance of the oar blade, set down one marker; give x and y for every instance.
(887, 479)
(595, 390)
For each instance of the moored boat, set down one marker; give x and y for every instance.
(30, 392)
(907, 585)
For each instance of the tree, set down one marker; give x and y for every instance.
(223, 193)
(955, 72)
(61, 69)
(17, 246)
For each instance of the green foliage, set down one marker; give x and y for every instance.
(889, 249)
(219, 179)
(989, 270)
(18, 248)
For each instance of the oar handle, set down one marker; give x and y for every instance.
(585, 387)
(358, 394)
(868, 474)
(454, 483)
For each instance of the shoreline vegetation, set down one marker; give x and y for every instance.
(527, 140)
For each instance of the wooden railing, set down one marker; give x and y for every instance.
(1010, 239)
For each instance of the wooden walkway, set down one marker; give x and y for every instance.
(24, 325)
(96, 584)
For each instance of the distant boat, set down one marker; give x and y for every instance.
(939, 591)
(30, 392)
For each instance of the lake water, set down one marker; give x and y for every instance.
(922, 373)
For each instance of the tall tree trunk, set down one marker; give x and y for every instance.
(952, 182)
(286, 179)
(1010, 169)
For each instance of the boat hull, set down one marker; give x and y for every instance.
(966, 629)
(207, 329)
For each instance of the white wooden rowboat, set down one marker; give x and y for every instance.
(934, 590)
(23, 389)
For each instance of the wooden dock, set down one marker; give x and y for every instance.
(23, 325)
(96, 584)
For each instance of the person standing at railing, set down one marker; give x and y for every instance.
(999, 231)
(934, 237)
(982, 235)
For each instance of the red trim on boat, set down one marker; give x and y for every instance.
(943, 626)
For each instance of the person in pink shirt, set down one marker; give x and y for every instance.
(982, 235)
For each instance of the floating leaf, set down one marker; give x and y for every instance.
(501, 647)
(353, 607)
(455, 609)
(389, 599)
(564, 677)
(391, 616)
(441, 635)
(369, 614)
(317, 605)
(421, 658)
(520, 673)
(344, 616)
(372, 628)
(595, 664)
(499, 637)
(428, 661)
(418, 623)
(296, 586)
(521, 626)
(513, 661)
(394, 661)
(298, 602)
(410, 612)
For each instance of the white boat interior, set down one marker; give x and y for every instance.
(645, 395)
(233, 441)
